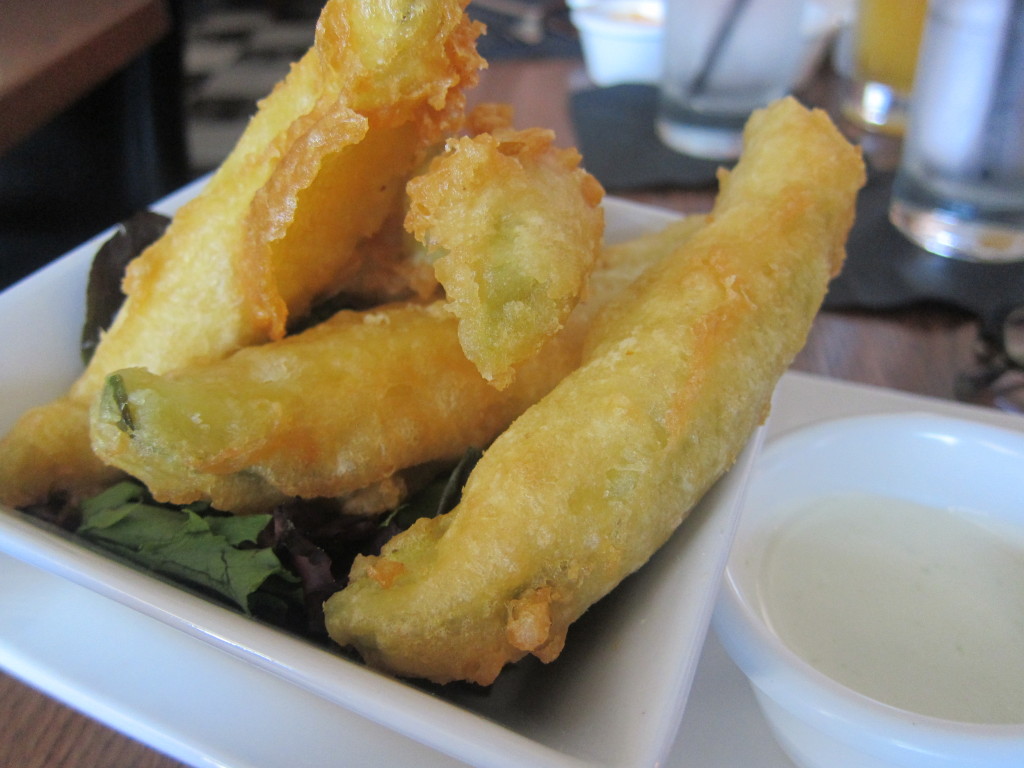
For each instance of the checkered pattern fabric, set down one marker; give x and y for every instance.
(236, 52)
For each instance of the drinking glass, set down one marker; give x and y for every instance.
(886, 42)
(724, 59)
(959, 191)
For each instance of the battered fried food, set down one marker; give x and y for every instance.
(339, 407)
(320, 167)
(326, 412)
(515, 226)
(588, 483)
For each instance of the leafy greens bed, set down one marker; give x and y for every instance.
(278, 567)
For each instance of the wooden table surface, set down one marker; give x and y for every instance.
(918, 351)
(52, 52)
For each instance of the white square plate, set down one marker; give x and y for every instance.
(614, 697)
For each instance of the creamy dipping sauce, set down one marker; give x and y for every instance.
(914, 606)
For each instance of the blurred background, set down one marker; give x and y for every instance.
(109, 143)
(170, 113)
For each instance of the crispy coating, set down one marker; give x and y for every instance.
(321, 166)
(316, 171)
(48, 449)
(400, 71)
(339, 407)
(514, 225)
(323, 413)
(588, 483)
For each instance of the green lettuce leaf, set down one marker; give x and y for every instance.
(214, 552)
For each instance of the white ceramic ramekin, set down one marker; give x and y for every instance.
(924, 459)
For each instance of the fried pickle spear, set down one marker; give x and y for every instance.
(320, 167)
(338, 408)
(514, 226)
(588, 483)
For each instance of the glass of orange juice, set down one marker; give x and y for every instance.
(886, 37)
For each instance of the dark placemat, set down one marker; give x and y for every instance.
(883, 271)
(615, 132)
(551, 36)
(886, 271)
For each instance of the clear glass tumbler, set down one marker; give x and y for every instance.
(886, 43)
(723, 60)
(959, 191)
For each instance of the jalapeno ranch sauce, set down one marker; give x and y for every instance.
(915, 606)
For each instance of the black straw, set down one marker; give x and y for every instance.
(717, 45)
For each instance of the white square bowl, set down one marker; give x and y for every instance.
(614, 698)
